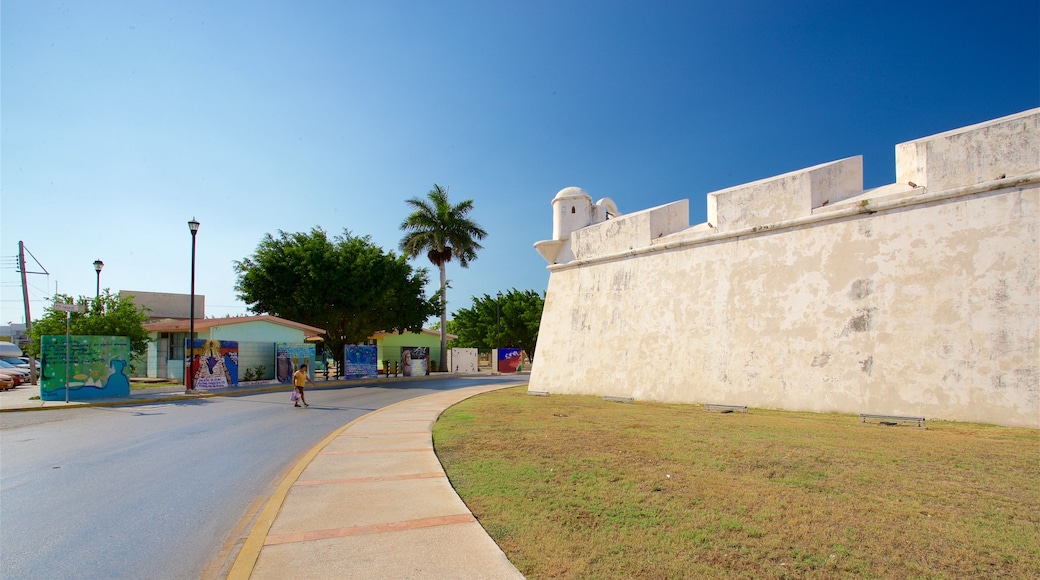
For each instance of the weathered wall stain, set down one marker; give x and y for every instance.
(861, 289)
(821, 359)
(867, 365)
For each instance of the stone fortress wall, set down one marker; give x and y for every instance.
(806, 292)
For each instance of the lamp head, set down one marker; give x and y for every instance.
(193, 226)
(98, 264)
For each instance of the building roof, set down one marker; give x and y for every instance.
(202, 324)
(382, 334)
(429, 331)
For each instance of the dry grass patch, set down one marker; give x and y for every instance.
(577, 487)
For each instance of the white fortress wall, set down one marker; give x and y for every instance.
(804, 292)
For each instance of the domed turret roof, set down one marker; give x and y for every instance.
(571, 193)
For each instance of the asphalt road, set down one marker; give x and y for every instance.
(154, 491)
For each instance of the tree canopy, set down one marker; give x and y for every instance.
(441, 230)
(346, 285)
(492, 323)
(105, 315)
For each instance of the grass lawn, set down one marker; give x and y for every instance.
(577, 487)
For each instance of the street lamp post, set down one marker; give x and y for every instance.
(189, 353)
(98, 264)
(498, 325)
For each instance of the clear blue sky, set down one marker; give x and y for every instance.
(122, 120)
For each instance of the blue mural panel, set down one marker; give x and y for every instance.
(213, 364)
(288, 357)
(97, 367)
(359, 362)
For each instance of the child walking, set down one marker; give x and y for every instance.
(299, 379)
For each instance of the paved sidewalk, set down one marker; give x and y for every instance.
(372, 501)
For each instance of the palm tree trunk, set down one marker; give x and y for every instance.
(443, 362)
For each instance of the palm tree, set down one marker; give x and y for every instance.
(441, 230)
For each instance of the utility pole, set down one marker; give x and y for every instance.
(25, 299)
(25, 286)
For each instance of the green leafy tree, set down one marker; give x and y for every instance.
(105, 315)
(511, 322)
(346, 285)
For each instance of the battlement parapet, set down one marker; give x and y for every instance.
(631, 231)
(785, 197)
(990, 152)
(997, 149)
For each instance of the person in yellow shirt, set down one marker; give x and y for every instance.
(299, 379)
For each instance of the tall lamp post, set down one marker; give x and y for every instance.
(189, 353)
(98, 264)
(498, 325)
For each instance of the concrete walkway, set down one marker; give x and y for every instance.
(372, 501)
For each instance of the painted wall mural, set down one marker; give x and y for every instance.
(415, 361)
(508, 360)
(97, 367)
(213, 364)
(288, 357)
(360, 362)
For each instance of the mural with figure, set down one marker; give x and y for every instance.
(97, 367)
(360, 362)
(415, 361)
(213, 364)
(508, 360)
(288, 357)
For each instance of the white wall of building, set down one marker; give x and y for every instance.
(807, 293)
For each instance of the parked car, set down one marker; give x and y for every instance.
(13, 376)
(8, 368)
(6, 382)
(21, 362)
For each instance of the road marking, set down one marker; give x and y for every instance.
(371, 479)
(278, 539)
(369, 451)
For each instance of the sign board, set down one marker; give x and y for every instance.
(69, 307)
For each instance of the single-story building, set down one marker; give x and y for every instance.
(256, 336)
(391, 343)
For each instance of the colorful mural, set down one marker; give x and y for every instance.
(508, 360)
(415, 361)
(360, 362)
(97, 367)
(289, 357)
(213, 364)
